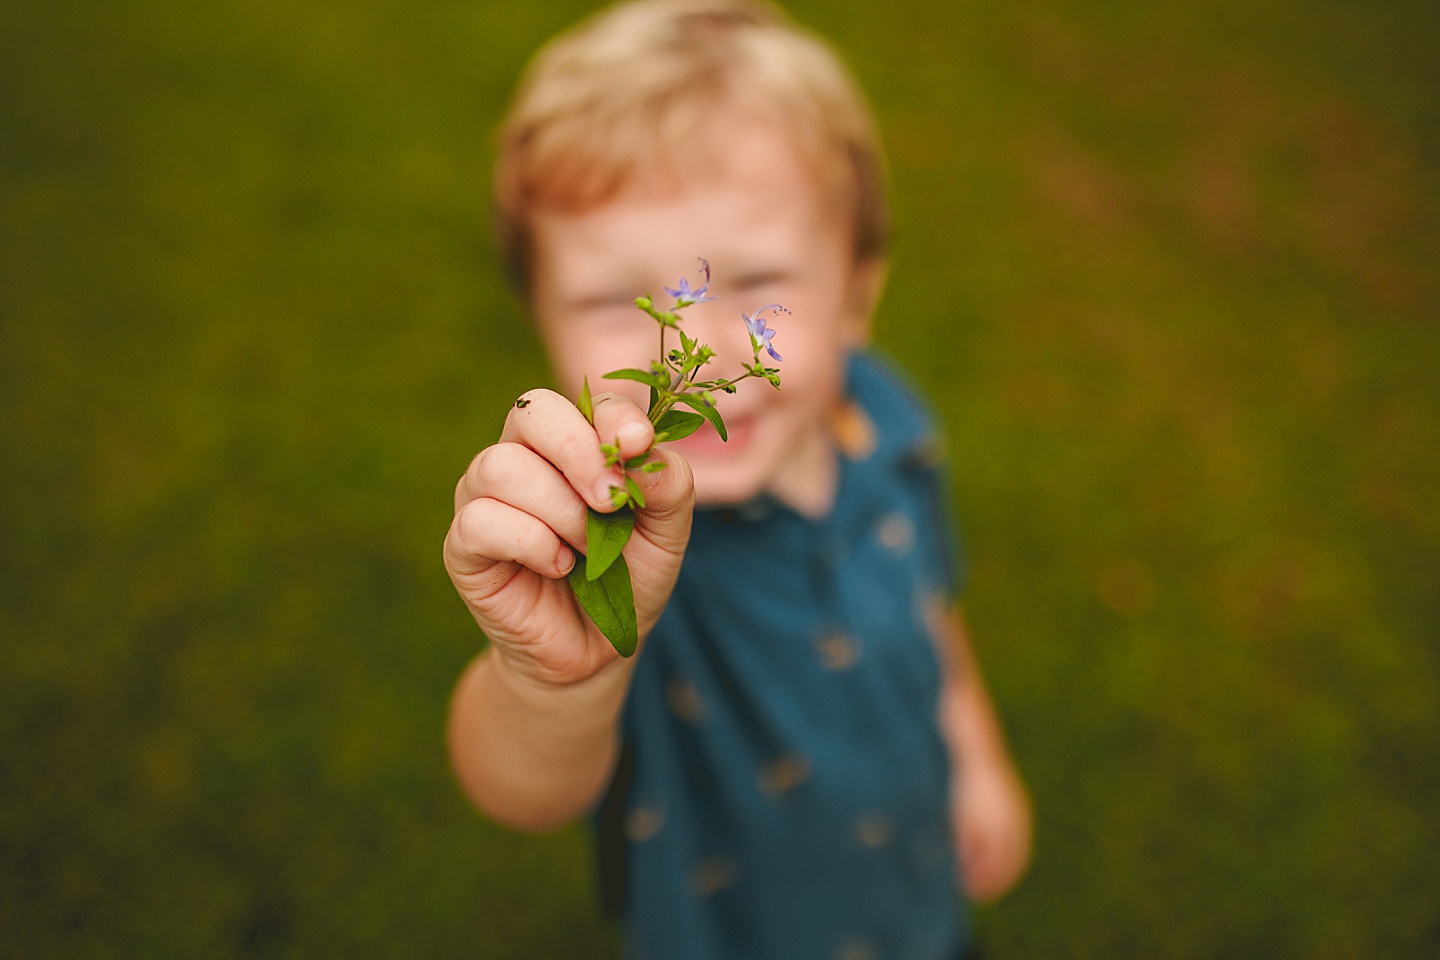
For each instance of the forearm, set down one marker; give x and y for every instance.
(991, 808)
(535, 756)
(967, 713)
(974, 726)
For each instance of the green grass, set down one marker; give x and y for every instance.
(1170, 274)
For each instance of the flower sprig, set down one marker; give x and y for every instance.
(600, 579)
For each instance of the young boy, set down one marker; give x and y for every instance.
(801, 760)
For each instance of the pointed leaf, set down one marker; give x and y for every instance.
(610, 603)
(677, 424)
(605, 536)
(585, 404)
(630, 373)
(705, 410)
(637, 496)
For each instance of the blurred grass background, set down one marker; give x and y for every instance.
(1169, 271)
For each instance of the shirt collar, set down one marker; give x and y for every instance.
(883, 427)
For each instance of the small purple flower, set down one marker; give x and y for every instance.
(685, 296)
(761, 335)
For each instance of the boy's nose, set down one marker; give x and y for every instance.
(719, 325)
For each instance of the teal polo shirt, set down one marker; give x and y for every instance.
(784, 787)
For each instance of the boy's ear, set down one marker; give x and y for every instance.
(867, 283)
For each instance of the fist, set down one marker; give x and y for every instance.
(520, 514)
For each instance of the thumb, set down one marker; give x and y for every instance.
(669, 503)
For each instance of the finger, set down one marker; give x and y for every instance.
(520, 477)
(551, 426)
(993, 865)
(669, 502)
(980, 877)
(976, 859)
(620, 421)
(486, 532)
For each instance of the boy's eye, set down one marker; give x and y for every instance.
(603, 302)
(759, 280)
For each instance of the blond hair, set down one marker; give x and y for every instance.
(627, 94)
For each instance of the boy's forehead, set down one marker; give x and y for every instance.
(753, 203)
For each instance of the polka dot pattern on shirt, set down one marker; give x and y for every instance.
(784, 774)
(713, 874)
(838, 651)
(685, 700)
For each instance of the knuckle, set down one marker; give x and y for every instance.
(473, 525)
(494, 466)
(534, 539)
(579, 448)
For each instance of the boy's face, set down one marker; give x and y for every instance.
(761, 222)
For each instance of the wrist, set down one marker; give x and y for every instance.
(526, 680)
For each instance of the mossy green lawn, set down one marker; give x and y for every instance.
(1169, 274)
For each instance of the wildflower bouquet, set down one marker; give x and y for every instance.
(600, 579)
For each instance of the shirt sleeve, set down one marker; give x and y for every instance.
(941, 537)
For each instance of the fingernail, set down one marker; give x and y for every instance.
(630, 433)
(564, 560)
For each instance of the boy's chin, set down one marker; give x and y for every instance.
(725, 474)
(717, 492)
(704, 446)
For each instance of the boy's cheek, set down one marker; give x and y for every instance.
(576, 353)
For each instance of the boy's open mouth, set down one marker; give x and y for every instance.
(705, 443)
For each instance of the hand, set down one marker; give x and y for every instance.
(993, 823)
(520, 511)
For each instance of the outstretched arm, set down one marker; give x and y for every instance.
(990, 806)
(533, 721)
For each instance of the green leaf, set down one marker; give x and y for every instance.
(677, 424)
(630, 373)
(654, 399)
(637, 461)
(637, 496)
(610, 603)
(705, 410)
(605, 536)
(585, 404)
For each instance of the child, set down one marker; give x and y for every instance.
(801, 761)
